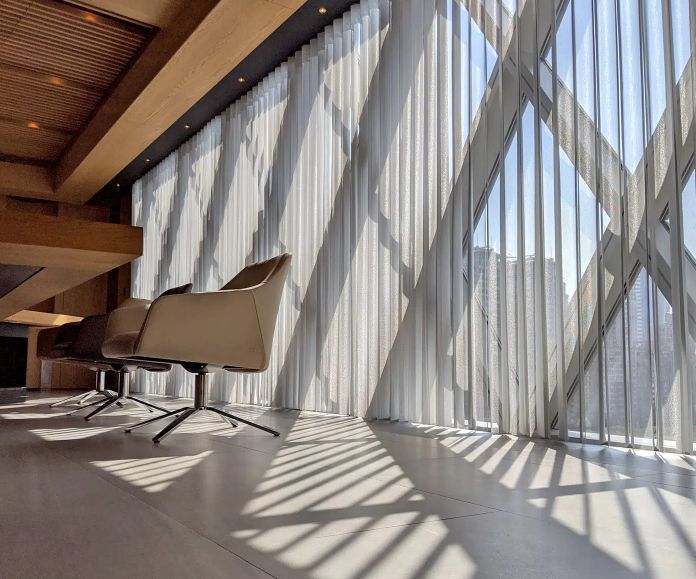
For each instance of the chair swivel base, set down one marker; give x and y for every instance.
(83, 397)
(200, 403)
(119, 401)
(99, 390)
(187, 412)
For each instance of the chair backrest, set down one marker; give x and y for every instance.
(55, 343)
(44, 342)
(89, 339)
(266, 280)
(254, 274)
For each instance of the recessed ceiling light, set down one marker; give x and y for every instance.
(187, 126)
(32, 125)
(322, 10)
(55, 81)
(118, 185)
(241, 79)
(147, 160)
(89, 17)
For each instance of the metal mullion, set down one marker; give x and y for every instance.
(504, 381)
(470, 251)
(522, 359)
(541, 373)
(483, 124)
(649, 239)
(455, 255)
(599, 222)
(560, 342)
(679, 301)
(626, 322)
(515, 122)
(486, 303)
(581, 357)
(623, 241)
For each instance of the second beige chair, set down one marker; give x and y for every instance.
(232, 329)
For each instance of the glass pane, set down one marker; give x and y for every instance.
(529, 197)
(669, 393)
(610, 226)
(640, 367)
(480, 319)
(614, 371)
(550, 265)
(681, 41)
(689, 208)
(494, 343)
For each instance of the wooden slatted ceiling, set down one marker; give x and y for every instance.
(57, 62)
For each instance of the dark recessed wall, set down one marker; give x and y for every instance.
(13, 361)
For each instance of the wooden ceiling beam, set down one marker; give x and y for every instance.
(69, 251)
(22, 180)
(49, 241)
(179, 66)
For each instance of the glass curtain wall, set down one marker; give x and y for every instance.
(488, 203)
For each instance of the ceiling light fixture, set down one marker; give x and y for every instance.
(187, 126)
(241, 79)
(322, 10)
(32, 125)
(55, 81)
(89, 17)
(147, 160)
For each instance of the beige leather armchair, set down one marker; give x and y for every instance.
(232, 329)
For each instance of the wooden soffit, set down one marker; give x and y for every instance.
(68, 252)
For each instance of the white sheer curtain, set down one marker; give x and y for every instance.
(475, 241)
(340, 158)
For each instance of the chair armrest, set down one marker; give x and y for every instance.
(124, 326)
(216, 328)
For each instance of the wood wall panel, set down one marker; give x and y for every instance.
(33, 374)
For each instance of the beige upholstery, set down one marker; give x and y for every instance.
(124, 326)
(230, 328)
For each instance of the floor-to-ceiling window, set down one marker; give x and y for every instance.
(488, 203)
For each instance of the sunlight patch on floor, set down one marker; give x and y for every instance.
(29, 415)
(57, 434)
(153, 475)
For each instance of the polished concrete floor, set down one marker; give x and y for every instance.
(332, 497)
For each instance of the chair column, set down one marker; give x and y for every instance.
(200, 399)
(100, 381)
(124, 384)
